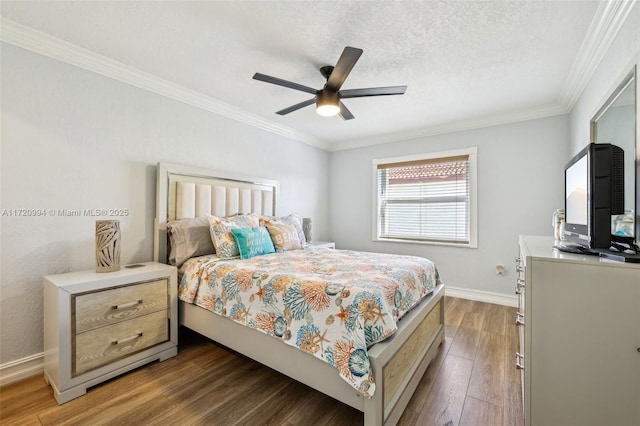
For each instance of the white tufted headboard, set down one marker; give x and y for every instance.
(187, 192)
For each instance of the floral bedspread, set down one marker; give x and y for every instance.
(332, 304)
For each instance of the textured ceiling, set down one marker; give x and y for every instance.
(463, 61)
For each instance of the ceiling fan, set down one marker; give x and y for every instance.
(328, 100)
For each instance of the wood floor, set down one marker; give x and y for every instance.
(472, 381)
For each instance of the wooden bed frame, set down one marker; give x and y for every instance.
(398, 362)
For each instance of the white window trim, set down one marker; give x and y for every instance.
(472, 152)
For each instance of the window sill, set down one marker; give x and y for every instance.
(430, 243)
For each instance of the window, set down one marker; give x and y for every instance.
(429, 198)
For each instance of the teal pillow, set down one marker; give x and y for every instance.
(253, 241)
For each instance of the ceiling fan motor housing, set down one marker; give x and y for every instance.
(328, 103)
(327, 97)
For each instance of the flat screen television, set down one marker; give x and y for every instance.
(594, 191)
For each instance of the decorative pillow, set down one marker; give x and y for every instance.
(189, 238)
(253, 241)
(284, 237)
(220, 228)
(291, 219)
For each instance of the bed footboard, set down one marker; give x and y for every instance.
(400, 362)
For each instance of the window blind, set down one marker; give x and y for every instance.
(425, 200)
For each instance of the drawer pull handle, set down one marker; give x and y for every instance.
(126, 339)
(519, 318)
(519, 289)
(519, 359)
(521, 282)
(519, 269)
(126, 305)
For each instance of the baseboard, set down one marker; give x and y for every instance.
(481, 296)
(21, 369)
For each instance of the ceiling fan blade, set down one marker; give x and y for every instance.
(373, 91)
(348, 59)
(284, 83)
(345, 113)
(296, 107)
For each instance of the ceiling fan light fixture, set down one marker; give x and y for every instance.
(327, 110)
(327, 104)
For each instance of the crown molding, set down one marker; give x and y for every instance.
(458, 126)
(35, 41)
(607, 22)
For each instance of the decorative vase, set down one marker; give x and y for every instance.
(107, 245)
(307, 228)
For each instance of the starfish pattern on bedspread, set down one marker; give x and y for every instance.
(332, 304)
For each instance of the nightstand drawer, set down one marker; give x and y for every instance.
(103, 345)
(321, 244)
(102, 308)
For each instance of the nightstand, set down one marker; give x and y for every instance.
(321, 244)
(100, 325)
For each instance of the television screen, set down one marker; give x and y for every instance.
(576, 191)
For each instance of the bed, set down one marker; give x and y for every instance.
(395, 364)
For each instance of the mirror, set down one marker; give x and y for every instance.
(615, 123)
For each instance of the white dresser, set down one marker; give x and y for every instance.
(99, 325)
(579, 320)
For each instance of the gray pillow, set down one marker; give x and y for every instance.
(189, 238)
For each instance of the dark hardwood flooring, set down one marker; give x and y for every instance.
(472, 381)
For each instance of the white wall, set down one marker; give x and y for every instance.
(72, 139)
(520, 184)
